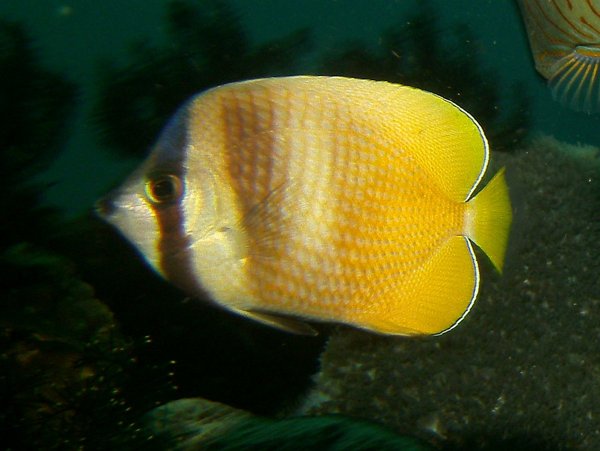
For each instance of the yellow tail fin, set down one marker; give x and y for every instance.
(488, 219)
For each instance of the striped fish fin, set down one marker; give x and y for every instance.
(565, 42)
(575, 81)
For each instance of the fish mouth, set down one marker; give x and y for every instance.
(109, 205)
(105, 207)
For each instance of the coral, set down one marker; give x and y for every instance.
(522, 371)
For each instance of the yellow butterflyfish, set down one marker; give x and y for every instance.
(564, 36)
(320, 198)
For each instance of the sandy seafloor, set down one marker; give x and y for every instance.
(523, 369)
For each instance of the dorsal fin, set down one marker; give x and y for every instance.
(446, 141)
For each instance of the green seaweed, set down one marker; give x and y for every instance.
(196, 423)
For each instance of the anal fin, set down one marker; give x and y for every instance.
(437, 297)
(283, 323)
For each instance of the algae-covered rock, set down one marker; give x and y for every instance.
(196, 423)
(523, 369)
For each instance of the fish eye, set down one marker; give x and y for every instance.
(164, 188)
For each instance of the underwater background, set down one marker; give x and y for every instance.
(92, 341)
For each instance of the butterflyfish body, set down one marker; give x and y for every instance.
(320, 198)
(564, 36)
